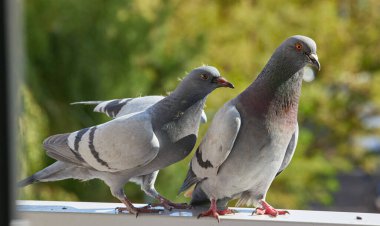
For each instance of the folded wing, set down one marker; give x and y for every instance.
(120, 144)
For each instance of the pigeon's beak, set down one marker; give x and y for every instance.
(313, 58)
(222, 82)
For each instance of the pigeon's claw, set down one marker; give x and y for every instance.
(210, 213)
(178, 205)
(282, 212)
(167, 204)
(134, 210)
(226, 211)
(214, 212)
(267, 209)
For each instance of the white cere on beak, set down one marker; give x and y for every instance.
(309, 74)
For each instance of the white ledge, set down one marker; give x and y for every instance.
(56, 213)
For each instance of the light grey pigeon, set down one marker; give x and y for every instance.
(253, 137)
(135, 146)
(119, 107)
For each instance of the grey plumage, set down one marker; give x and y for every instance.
(253, 137)
(137, 143)
(119, 107)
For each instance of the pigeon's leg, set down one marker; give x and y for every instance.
(148, 187)
(267, 209)
(167, 204)
(129, 206)
(212, 211)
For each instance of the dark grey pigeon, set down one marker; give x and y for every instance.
(135, 146)
(119, 107)
(253, 137)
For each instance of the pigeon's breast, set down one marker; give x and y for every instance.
(256, 157)
(177, 139)
(185, 123)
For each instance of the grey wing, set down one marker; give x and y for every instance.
(57, 147)
(109, 107)
(120, 107)
(289, 151)
(217, 143)
(120, 144)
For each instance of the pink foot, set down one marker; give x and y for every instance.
(214, 212)
(226, 211)
(134, 210)
(267, 209)
(167, 204)
(210, 213)
(137, 211)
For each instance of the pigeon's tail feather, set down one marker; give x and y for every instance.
(192, 189)
(247, 199)
(47, 174)
(190, 181)
(203, 117)
(86, 102)
(199, 197)
(110, 107)
(27, 181)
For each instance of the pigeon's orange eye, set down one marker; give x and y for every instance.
(298, 46)
(204, 77)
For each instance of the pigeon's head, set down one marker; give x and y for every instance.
(204, 80)
(300, 51)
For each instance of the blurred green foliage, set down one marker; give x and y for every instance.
(99, 50)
